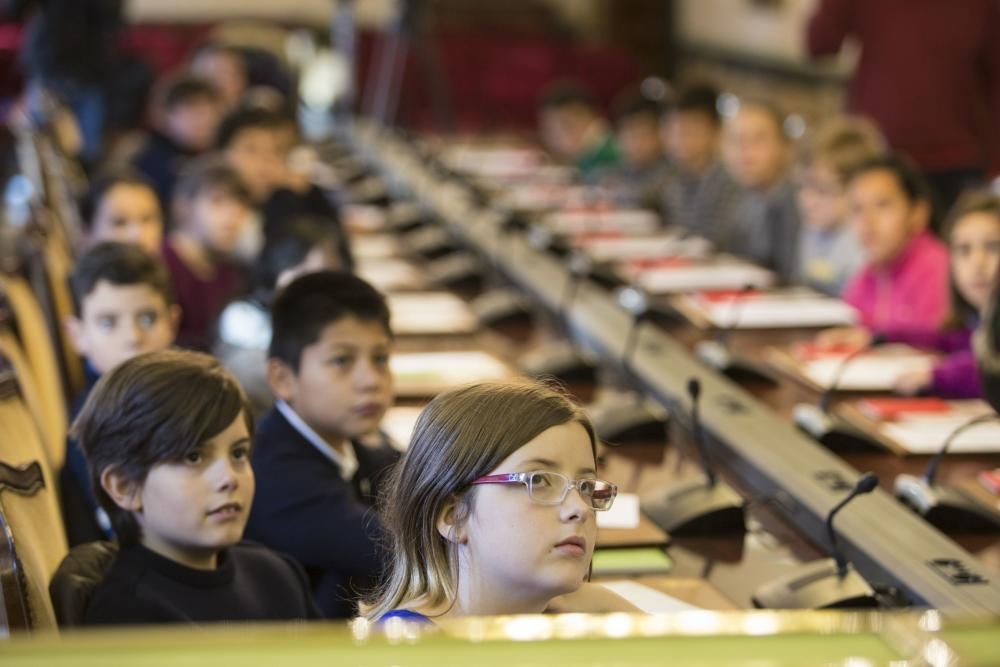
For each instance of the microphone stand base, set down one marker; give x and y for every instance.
(695, 508)
(831, 431)
(717, 356)
(558, 359)
(816, 585)
(946, 508)
(621, 417)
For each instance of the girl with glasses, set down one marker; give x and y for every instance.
(492, 509)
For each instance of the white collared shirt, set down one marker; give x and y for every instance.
(347, 462)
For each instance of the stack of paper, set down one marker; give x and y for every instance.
(693, 277)
(623, 248)
(374, 246)
(875, 371)
(636, 221)
(390, 275)
(926, 435)
(426, 313)
(428, 373)
(770, 310)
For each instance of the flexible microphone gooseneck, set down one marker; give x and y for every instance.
(697, 433)
(932, 466)
(838, 375)
(866, 484)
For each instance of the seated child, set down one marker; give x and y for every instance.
(226, 68)
(211, 209)
(329, 371)
(638, 180)
(903, 287)
(124, 308)
(492, 509)
(245, 325)
(573, 129)
(829, 253)
(186, 115)
(699, 191)
(257, 142)
(764, 222)
(974, 240)
(168, 439)
(122, 206)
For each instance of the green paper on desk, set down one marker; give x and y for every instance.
(640, 560)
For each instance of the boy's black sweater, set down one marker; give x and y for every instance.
(251, 583)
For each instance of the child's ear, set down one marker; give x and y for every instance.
(123, 491)
(281, 379)
(74, 329)
(448, 525)
(174, 313)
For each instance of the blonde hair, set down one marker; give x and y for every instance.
(843, 143)
(460, 436)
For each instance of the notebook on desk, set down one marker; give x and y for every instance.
(874, 371)
(428, 313)
(629, 221)
(619, 247)
(420, 374)
(920, 426)
(777, 309)
(677, 275)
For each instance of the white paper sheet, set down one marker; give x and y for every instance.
(926, 435)
(425, 313)
(869, 372)
(427, 373)
(649, 600)
(624, 513)
(390, 275)
(645, 247)
(579, 222)
(783, 309)
(673, 280)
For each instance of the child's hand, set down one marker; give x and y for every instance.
(913, 382)
(851, 337)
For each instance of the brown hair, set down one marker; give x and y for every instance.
(843, 143)
(971, 201)
(154, 408)
(460, 436)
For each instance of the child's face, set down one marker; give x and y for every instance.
(218, 219)
(118, 322)
(563, 130)
(884, 219)
(192, 124)
(256, 154)
(638, 137)
(514, 548)
(190, 509)
(343, 385)
(975, 256)
(821, 197)
(129, 213)
(691, 139)
(755, 151)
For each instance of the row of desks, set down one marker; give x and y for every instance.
(786, 474)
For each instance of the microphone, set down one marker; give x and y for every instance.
(701, 506)
(865, 485)
(697, 434)
(716, 353)
(828, 583)
(829, 430)
(947, 508)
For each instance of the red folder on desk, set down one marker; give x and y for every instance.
(891, 408)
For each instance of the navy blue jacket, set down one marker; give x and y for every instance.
(303, 507)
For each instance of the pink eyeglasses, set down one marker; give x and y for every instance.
(551, 488)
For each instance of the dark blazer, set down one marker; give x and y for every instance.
(304, 508)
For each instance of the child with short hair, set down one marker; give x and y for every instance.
(573, 129)
(124, 307)
(764, 223)
(638, 180)
(186, 116)
(492, 509)
(699, 192)
(122, 206)
(245, 325)
(829, 253)
(211, 210)
(168, 438)
(328, 368)
(903, 287)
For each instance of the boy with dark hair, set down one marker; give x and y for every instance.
(256, 142)
(699, 192)
(186, 118)
(639, 179)
(329, 370)
(212, 208)
(168, 439)
(573, 130)
(124, 307)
